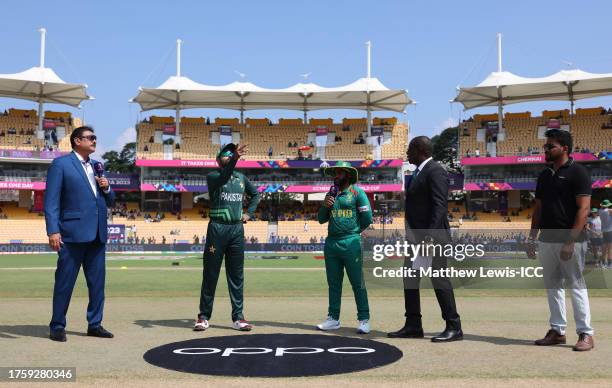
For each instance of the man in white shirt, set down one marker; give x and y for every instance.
(76, 203)
(605, 213)
(595, 235)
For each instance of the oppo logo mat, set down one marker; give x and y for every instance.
(273, 355)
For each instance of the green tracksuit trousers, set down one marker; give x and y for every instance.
(345, 253)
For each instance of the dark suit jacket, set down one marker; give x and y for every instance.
(426, 204)
(71, 207)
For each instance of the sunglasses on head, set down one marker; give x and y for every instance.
(90, 137)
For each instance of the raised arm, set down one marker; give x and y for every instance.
(216, 180)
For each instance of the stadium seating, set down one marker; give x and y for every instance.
(196, 138)
(21, 225)
(25, 226)
(25, 122)
(147, 149)
(586, 125)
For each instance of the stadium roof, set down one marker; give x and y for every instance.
(509, 88)
(42, 85)
(182, 93)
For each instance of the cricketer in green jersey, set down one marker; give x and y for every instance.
(348, 214)
(225, 235)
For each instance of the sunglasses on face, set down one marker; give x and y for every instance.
(91, 138)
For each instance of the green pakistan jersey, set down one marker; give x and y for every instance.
(350, 215)
(226, 189)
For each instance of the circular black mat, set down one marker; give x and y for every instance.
(273, 355)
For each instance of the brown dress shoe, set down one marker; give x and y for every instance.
(551, 338)
(585, 342)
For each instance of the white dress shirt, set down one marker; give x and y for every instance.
(88, 168)
(422, 166)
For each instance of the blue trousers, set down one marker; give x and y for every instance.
(92, 256)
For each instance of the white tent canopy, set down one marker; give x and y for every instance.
(182, 93)
(503, 88)
(42, 85)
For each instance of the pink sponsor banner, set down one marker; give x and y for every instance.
(265, 163)
(602, 184)
(489, 186)
(169, 129)
(381, 188)
(553, 124)
(193, 163)
(322, 189)
(147, 187)
(535, 159)
(22, 185)
(48, 124)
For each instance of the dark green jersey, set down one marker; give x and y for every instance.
(226, 189)
(350, 215)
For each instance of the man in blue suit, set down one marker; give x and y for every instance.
(76, 200)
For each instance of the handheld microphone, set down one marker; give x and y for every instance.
(99, 169)
(333, 191)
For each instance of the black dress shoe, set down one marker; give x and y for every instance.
(58, 335)
(99, 332)
(407, 332)
(448, 335)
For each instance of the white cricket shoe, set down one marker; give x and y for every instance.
(329, 324)
(364, 327)
(242, 325)
(201, 325)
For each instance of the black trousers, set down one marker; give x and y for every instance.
(444, 293)
(223, 241)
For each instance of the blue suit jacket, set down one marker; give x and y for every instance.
(71, 208)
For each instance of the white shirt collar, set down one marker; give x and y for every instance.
(79, 156)
(422, 165)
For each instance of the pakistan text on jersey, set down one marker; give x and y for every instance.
(231, 197)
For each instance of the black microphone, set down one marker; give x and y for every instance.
(99, 169)
(333, 191)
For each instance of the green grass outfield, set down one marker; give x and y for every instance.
(138, 275)
(150, 302)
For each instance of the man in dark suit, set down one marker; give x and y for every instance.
(76, 201)
(426, 219)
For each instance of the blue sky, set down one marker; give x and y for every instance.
(426, 47)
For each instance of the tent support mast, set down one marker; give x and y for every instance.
(43, 34)
(178, 92)
(570, 90)
(500, 106)
(241, 108)
(369, 49)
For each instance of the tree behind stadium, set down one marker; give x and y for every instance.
(124, 161)
(445, 147)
